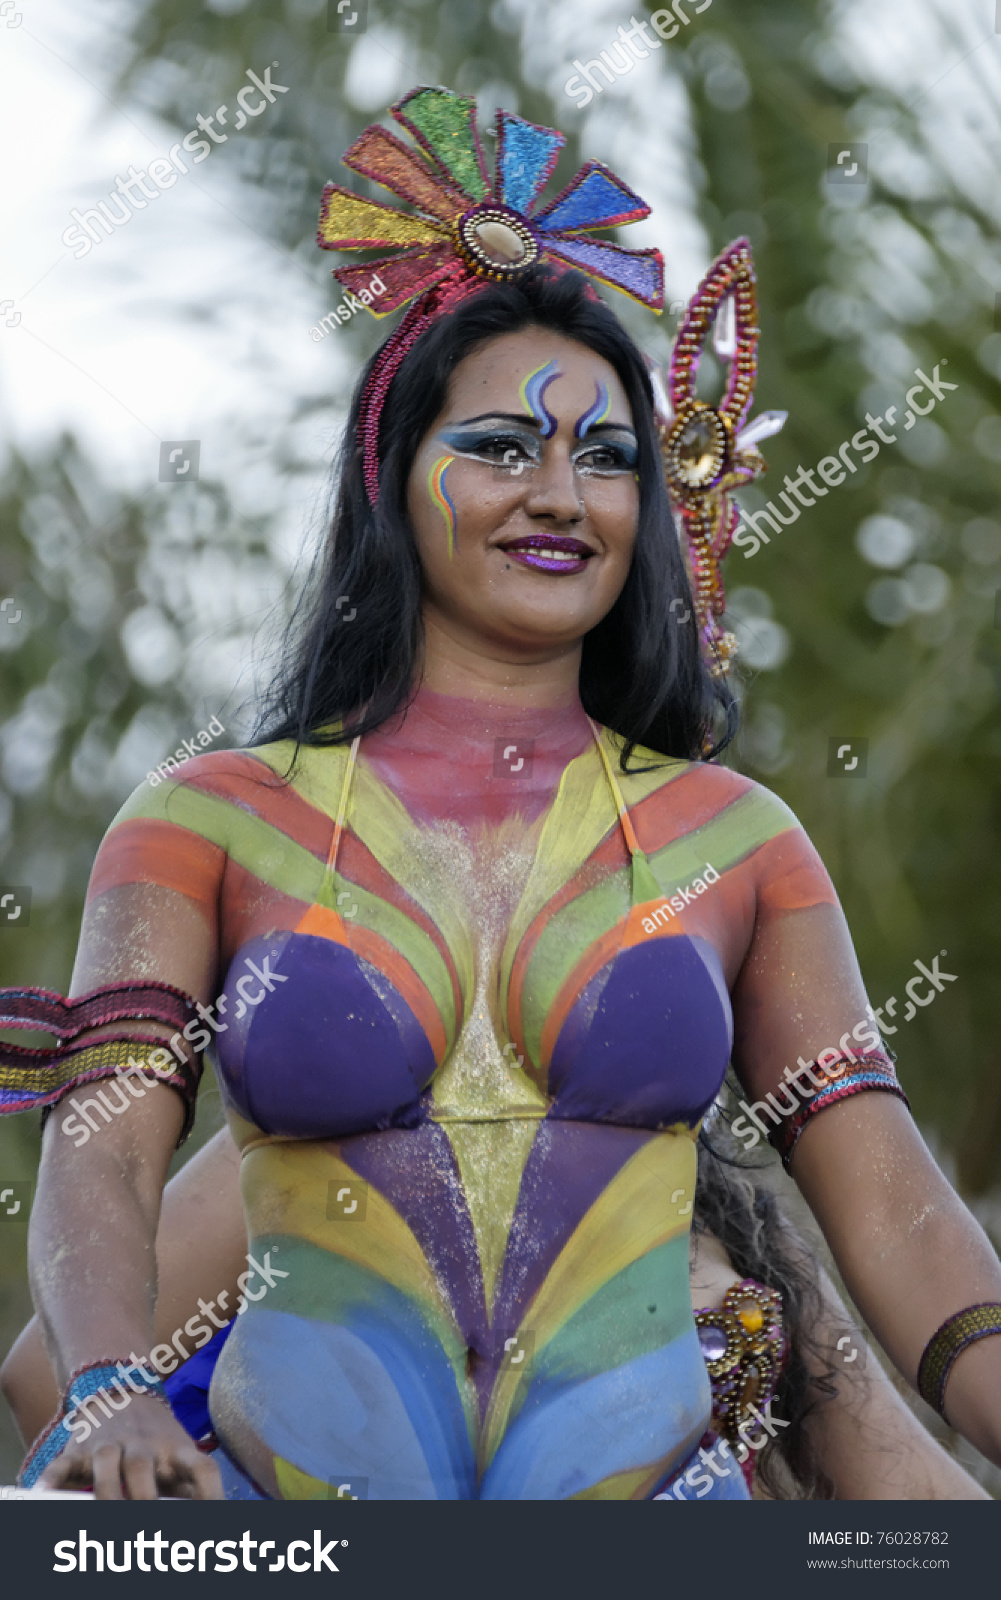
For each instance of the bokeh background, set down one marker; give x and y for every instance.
(140, 609)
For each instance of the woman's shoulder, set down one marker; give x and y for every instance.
(669, 784)
(219, 774)
(728, 819)
(225, 795)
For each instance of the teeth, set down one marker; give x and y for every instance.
(552, 555)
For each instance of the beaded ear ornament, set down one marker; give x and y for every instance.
(707, 450)
(744, 1347)
(465, 229)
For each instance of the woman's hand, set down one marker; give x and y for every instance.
(138, 1454)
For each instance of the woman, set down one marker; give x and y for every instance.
(480, 960)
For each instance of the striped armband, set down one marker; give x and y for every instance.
(822, 1085)
(33, 1079)
(945, 1346)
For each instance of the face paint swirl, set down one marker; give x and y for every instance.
(594, 414)
(532, 394)
(443, 500)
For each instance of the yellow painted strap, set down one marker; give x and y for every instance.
(294, 1484)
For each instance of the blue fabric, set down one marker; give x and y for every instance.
(187, 1389)
(599, 201)
(527, 156)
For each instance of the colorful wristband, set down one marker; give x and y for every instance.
(96, 1381)
(952, 1338)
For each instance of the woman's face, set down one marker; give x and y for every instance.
(523, 497)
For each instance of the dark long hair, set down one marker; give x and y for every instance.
(641, 671)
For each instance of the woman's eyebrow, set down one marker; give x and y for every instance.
(513, 417)
(611, 427)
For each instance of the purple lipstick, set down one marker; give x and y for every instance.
(549, 552)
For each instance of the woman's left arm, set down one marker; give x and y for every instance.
(910, 1253)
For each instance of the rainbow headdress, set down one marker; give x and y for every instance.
(465, 229)
(709, 450)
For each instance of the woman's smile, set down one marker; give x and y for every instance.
(549, 552)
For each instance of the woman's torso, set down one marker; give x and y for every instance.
(466, 1062)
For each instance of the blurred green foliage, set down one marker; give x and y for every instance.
(857, 289)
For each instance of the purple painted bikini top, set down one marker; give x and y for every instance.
(604, 1021)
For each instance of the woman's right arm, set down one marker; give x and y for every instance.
(91, 1257)
(201, 1249)
(151, 915)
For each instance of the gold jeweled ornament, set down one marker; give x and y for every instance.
(495, 242)
(744, 1346)
(707, 450)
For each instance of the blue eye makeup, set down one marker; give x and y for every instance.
(611, 453)
(513, 448)
(607, 450)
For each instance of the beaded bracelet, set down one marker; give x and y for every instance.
(95, 1381)
(832, 1080)
(949, 1342)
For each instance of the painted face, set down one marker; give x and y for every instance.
(523, 496)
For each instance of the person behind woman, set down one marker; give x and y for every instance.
(484, 927)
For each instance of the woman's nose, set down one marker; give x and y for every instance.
(554, 490)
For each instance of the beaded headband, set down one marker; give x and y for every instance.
(464, 230)
(707, 450)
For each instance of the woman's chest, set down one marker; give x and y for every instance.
(473, 993)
